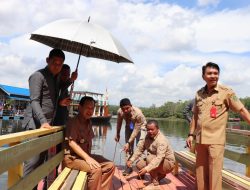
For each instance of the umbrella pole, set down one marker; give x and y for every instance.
(72, 86)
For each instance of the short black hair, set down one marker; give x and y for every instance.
(210, 64)
(86, 98)
(56, 53)
(153, 121)
(65, 66)
(125, 102)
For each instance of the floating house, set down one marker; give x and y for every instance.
(13, 100)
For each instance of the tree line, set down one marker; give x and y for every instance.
(173, 109)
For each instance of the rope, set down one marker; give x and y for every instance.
(114, 152)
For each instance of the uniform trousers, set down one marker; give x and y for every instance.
(128, 132)
(98, 178)
(158, 173)
(209, 164)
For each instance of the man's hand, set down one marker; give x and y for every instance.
(143, 171)
(129, 164)
(117, 138)
(189, 141)
(65, 102)
(45, 126)
(73, 76)
(126, 147)
(93, 164)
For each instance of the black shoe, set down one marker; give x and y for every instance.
(127, 171)
(141, 177)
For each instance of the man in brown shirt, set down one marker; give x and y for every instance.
(134, 128)
(78, 145)
(210, 115)
(160, 158)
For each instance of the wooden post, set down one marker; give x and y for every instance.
(248, 166)
(192, 149)
(176, 168)
(15, 173)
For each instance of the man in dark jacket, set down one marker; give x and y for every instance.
(44, 88)
(62, 112)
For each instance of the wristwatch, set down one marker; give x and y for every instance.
(190, 134)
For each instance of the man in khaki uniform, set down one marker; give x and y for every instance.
(160, 158)
(209, 121)
(135, 127)
(78, 145)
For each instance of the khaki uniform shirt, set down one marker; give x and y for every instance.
(212, 130)
(158, 146)
(136, 117)
(81, 132)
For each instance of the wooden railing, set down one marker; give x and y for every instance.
(232, 179)
(23, 146)
(239, 138)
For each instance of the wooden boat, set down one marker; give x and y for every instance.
(101, 112)
(101, 119)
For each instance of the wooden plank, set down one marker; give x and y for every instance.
(25, 150)
(185, 178)
(21, 136)
(227, 177)
(235, 180)
(126, 185)
(176, 181)
(69, 182)
(81, 181)
(239, 131)
(132, 180)
(57, 184)
(14, 173)
(117, 184)
(32, 179)
(166, 184)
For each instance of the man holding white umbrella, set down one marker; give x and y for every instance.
(44, 88)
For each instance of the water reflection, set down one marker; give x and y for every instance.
(10, 126)
(176, 132)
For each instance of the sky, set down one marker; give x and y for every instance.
(168, 40)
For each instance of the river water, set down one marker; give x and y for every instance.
(104, 144)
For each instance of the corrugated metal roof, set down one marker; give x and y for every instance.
(12, 90)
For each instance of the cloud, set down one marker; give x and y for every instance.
(223, 31)
(208, 2)
(157, 26)
(168, 43)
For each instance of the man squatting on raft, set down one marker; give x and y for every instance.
(160, 158)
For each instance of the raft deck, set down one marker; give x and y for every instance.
(180, 182)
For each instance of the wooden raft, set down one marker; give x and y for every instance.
(170, 182)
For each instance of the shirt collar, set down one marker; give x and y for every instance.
(157, 135)
(154, 136)
(204, 89)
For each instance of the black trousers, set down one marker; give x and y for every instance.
(33, 163)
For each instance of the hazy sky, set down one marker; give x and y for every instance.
(169, 41)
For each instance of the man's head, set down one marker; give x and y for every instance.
(210, 73)
(86, 107)
(65, 73)
(55, 61)
(152, 128)
(125, 105)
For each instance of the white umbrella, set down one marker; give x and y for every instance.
(82, 38)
